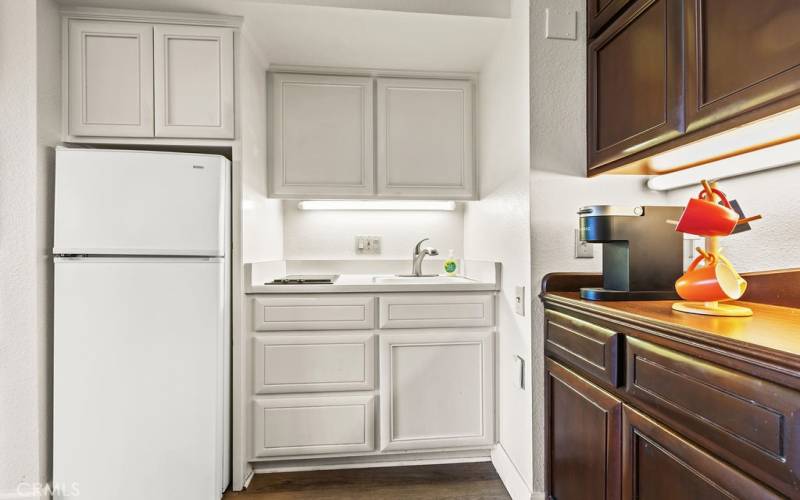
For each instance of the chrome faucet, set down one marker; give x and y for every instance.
(419, 255)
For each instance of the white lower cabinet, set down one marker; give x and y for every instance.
(428, 364)
(437, 390)
(310, 425)
(313, 363)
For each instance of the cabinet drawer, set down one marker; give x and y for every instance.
(313, 363)
(312, 425)
(584, 345)
(749, 422)
(313, 313)
(436, 311)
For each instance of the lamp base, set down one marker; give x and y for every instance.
(712, 309)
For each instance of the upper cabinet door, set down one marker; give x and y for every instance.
(425, 139)
(635, 81)
(600, 12)
(110, 79)
(193, 82)
(739, 56)
(321, 136)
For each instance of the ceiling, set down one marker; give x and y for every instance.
(440, 35)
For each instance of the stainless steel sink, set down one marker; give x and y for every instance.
(421, 280)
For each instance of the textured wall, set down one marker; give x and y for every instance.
(497, 227)
(262, 218)
(772, 244)
(325, 234)
(21, 433)
(558, 185)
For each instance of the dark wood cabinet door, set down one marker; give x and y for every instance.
(658, 464)
(740, 56)
(583, 437)
(635, 81)
(600, 12)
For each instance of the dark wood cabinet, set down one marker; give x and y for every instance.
(666, 73)
(600, 12)
(659, 464)
(739, 56)
(645, 403)
(584, 441)
(635, 71)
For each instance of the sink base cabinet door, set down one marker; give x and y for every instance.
(659, 464)
(583, 425)
(437, 390)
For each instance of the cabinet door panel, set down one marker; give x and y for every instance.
(436, 390)
(321, 136)
(635, 81)
(659, 464)
(193, 81)
(600, 12)
(425, 143)
(583, 437)
(310, 425)
(110, 79)
(739, 57)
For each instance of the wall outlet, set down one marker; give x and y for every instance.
(368, 245)
(519, 300)
(583, 250)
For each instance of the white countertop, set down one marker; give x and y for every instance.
(258, 278)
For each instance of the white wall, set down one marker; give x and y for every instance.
(772, 242)
(29, 104)
(558, 185)
(262, 218)
(320, 235)
(497, 228)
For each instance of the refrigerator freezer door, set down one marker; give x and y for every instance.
(139, 203)
(139, 378)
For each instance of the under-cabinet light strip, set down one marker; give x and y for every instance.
(768, 158)
(408, 205)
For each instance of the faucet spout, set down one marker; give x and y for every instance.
(419, 255)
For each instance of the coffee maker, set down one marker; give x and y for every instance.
(642, 253)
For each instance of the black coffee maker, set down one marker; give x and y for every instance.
(642, 254)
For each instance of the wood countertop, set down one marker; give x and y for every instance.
(772, 334)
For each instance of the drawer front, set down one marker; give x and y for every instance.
(584, 345)
(313, 425)
(436, 311)
(313, 363)
(747, 421)
(313, 313)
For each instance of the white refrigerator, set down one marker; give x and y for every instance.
(141, 325)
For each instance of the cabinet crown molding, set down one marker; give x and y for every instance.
(151, 16)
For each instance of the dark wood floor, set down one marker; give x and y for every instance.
(453, 481)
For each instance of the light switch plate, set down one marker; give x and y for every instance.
(561, 24)
(583, 250)
(519, 300)
(368, 245)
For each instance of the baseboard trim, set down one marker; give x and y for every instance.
(363, 462)
(511, 477)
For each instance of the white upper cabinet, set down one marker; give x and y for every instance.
(193, 81)
(425, 139)
(321, 136)
(110, 82)
(139, 79)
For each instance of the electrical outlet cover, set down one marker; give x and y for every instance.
(519, 300)
(583, 250)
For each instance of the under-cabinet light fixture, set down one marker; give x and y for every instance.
(407, 205)
(780, 155)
